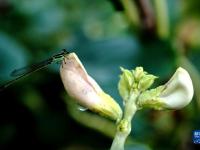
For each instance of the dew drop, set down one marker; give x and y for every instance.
(124, 103)
(81, 108)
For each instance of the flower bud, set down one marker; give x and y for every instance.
(146, 81)
(175, 94)
(138, 73)
(84, 89)
(178, 90)
(125, 84)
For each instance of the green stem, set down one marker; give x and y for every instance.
(162, 18)
(124, 126)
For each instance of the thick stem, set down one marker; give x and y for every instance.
(124, 126)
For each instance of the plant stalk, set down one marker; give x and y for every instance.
(124, 126)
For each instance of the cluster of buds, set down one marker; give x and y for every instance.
(134, 81)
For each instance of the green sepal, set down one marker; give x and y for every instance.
(125, 83)
(150, 99)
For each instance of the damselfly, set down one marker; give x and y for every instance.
(22, 72)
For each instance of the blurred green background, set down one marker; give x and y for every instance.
(160, 35)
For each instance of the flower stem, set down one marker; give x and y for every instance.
(124, 126)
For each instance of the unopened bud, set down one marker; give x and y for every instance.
(145, 82)
(125, 84)
(138, 73)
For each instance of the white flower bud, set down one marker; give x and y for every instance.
(178, 90)
(84, 89)
(175, 94)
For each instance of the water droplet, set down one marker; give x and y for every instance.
(124, 103)
(81, 108)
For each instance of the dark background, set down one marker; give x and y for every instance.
(36, 113)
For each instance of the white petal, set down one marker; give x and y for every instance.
(179, 90)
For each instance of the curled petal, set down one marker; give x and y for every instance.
(84, 89)
(178, 90)
(175, 94)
